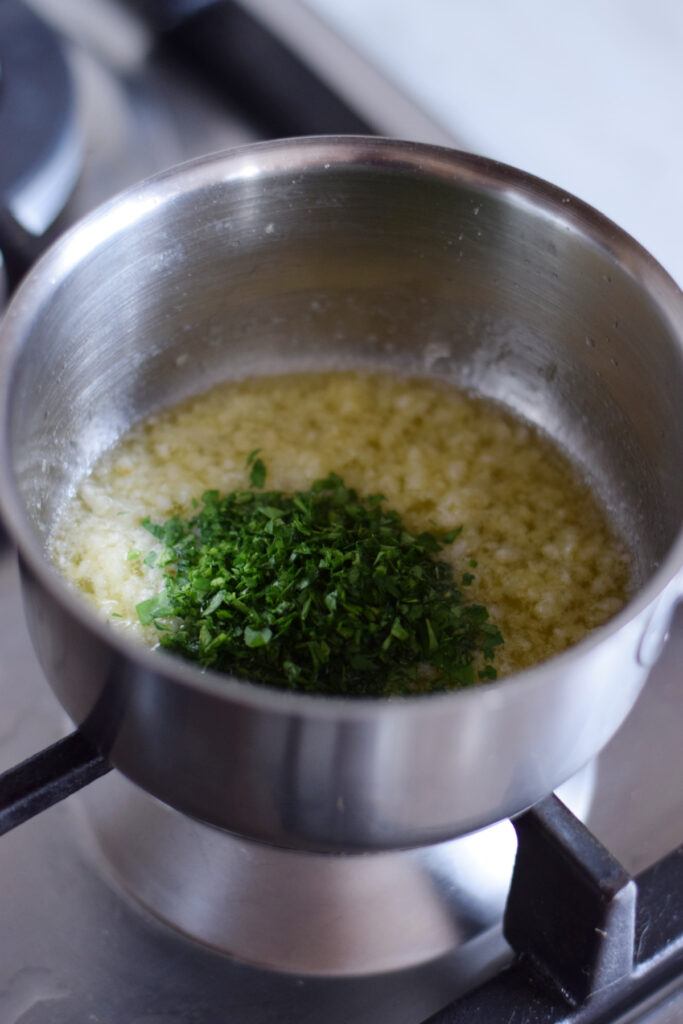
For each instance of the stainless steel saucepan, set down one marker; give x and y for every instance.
(334, 252)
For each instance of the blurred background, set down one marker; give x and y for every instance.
(96, 94)
(587, 94)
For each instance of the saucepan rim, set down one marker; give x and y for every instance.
(297, 156)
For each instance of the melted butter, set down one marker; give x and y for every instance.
(548, 566)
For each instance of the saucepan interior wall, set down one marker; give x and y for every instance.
(351, 267)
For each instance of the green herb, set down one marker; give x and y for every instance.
(320, 590)
(152, 609)
(452, 535)
(257, 477)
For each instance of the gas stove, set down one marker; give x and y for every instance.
(121, 911)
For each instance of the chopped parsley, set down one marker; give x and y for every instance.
(320, 590)
(257, 477)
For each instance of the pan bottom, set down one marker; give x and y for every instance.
(313, 914)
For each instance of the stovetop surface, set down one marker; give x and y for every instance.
(73, 948)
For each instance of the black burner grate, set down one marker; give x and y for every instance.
(591, 942)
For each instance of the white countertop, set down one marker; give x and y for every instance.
(586, 94)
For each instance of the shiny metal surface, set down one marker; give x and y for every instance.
(663, 1007)
(336, 252)
(314, 914)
